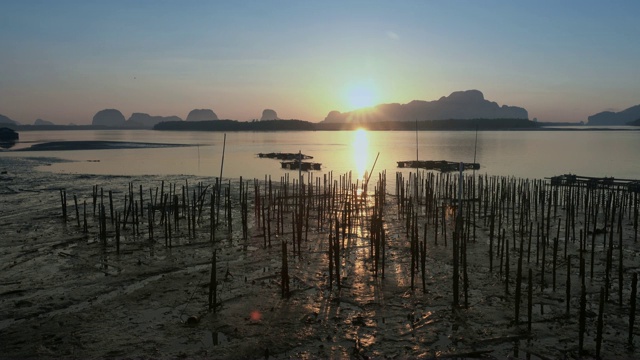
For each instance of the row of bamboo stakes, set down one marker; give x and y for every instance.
(515, 205)
(518, 214)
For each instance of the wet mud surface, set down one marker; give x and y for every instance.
(93, 145)
(65, 294)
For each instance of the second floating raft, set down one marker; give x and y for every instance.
(440, 165)
(300, 165)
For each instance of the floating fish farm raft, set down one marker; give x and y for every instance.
(292, 161)
(595, 182)
(440, 165)
(300, 165)
(285, 156)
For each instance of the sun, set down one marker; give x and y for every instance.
(360, 96)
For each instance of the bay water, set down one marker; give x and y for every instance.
(524, 154)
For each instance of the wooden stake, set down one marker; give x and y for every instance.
(568, 287)
(632, 306)
(530, 302)
(600, 324)
(213, 284)
(582, 317)
(75, 202)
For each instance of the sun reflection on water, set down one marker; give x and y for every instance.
(360, 146)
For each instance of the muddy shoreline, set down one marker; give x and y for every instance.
(64, 294)
(93, 145)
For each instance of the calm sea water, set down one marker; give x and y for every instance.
(528, 154)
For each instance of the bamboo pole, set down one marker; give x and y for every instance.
(530, 302)
(583, 306)
(213, 284)
(75, 202)
(632, 306)
(600, 324)
(224, 144)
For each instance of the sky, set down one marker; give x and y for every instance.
(65, 60)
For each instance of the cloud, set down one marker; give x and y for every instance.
(392, 35)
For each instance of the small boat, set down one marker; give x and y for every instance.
(7, 134)
(8, 138)
(440, 165)
(300, 165)
(285, 156)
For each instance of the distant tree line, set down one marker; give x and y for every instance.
(234, 125)
(451, 124)
(64, 127)
(300, 125)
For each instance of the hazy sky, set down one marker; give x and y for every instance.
(561, 60)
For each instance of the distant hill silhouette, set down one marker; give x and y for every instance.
(469, 104)
(147, 121)
(234, 125)
(201, 115)
(635, 123)
(294, 125)
(615, 118)
(113, 118)
(452, 124)
(109, 117)
(40, 122)
(4, 120)
(268, 114)
(64, 127)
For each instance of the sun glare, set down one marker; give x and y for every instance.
(360, 96)
(360, 152)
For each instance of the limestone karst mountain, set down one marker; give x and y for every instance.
(460, 105)
(148, 121)
(615, 118)
(40, 122)
(5, 120)
(109, 118)
(269, 114)
(201, 115)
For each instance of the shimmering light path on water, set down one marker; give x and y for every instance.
(529, 154)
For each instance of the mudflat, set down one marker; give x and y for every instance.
(65, 292)
(93, 145)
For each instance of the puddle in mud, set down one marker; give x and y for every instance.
(214, 338)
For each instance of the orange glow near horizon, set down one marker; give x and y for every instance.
(360, 146)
